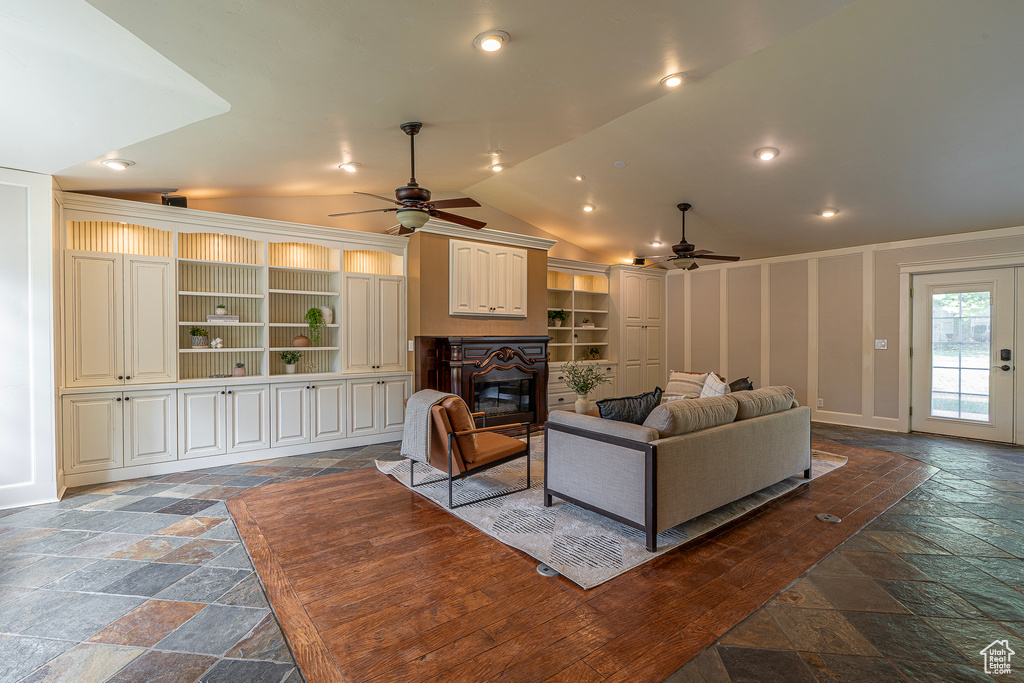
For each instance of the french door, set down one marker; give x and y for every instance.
(962, 368)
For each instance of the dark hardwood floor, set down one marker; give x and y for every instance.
(372, 582)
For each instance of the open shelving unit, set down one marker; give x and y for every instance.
(585, 298)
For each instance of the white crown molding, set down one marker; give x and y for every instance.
(638, 269)
(1013, 258)
(210, 220)
(587, 266)
(511, 239)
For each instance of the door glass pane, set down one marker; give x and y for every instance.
(961, 349)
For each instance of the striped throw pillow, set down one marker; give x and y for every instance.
(686, 383)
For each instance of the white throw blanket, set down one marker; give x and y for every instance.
(416, 432)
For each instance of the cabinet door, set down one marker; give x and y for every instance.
(93, 432)
(654, 299)
(517, 290)
(482, 279)
(358, 352)
(460, 279)
(632, 297)
(150, 427)
(654, 349)
(633, 344)
(632, 379)
(390, 317)
(93, 319)
(289, 415)
(501, 281)
(362, 407)
(248, 413)
(151, 329)
(393, 393)
(328, 411)
(201, 428)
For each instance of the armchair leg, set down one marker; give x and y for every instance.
(807, 473)
(547, 500)
(652, 540)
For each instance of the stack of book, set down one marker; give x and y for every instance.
(222, 318)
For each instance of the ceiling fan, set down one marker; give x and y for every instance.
(414, 205)
(684, 253)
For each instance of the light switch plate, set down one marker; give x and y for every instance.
(821, 403)
(412, 345)
(881, 344)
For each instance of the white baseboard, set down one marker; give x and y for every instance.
(28, 494)
(186, 465)
(885, 424)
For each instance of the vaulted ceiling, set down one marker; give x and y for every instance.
(902, 114)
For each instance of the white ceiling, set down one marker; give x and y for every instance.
(903, 114)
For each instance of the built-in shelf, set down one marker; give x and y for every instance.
(220, 263)
(225, 295)
(304, 348)
(218, 324)
(559, 344)
(298, 325)
(302, 270)
(598, 329)
(247, 350)
(581, 295)
(303, 292)
(589, 310)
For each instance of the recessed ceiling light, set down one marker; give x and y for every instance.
(498, 167)
(673, 80)
(494, 152)
(350, 166)
(619, 164)
(588, 207)
(655, 243)
(828, 213)
(579, 178)
(117, 164)
(491, 41)
(766, 153)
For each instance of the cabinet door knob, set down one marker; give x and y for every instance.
(231, 392)
(120, 376)
(118, 399)
(127, 376)
(222, 393)
(127, 398)
(313, 387)
(561, 399)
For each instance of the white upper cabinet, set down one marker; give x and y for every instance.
(487, 279)
(374, 323)
(119, 318)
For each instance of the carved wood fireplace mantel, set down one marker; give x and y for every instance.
(504, 377)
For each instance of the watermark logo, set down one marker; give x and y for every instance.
(997, 657)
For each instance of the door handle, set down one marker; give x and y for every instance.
(1004, 368)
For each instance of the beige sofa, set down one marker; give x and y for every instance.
(689, 457)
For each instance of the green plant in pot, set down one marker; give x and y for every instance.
(582, 378)
(290, 358)
(556, 318)
(200, 337)
(239, 370)
(315, 320)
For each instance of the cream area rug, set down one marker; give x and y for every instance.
(583, 546)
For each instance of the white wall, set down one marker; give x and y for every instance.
(27, 448)
(810, 321)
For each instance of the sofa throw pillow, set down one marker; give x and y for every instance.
(763, 401)
(742, 384)
(713, 386)
(683, 417)
(668, 398)
(634, 409)
(686, 383)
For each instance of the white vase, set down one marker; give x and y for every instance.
(221, 310)
(328, 314)
(557, 322)
(582, 404)
(289, 368)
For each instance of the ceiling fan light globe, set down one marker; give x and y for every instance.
(412, 218)
(682, 263)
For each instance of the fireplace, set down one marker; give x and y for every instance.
(506, 378)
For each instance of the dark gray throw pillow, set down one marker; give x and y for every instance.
(634, 409)
(742, 384)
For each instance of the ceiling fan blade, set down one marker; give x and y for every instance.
(405, 231)
(663, 259)
(458, 220)
(349, 213)
(718, 257)
(694, 266)
(459, 203)
(700, 252)
(387, 199)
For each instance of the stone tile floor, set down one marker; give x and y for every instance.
(146, 581)
(913, 597)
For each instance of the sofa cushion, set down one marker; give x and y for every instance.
(741, 384)
(683, 417)
(713, 386)
(634, 409)
(685, 383)
(764, 401)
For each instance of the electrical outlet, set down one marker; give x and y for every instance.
(821, 403)
(881, 344)
(412, 345)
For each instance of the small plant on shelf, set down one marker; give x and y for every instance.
(594, 353)
(200, 337)
(586, 323)
(221, 309)
(556, 318)
(315, 320)
(239, 370)
(290, 358)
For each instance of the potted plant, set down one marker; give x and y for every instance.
(315, 320)
(556, 318)
(290, 358)
(239, 370)
(594, 353)
(200, 337)
(221, 309)
(586, 323)
(582, 378)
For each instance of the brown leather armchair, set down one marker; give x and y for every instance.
(460, 448)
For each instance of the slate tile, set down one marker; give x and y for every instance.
(20, 656)
(1011, 544)
(238, 469)
(817, 630)
(150, 504)
(970, 635)
(896, 634)
(148, 580)
(57, 542)
(918, 523)
(301, 471)
(802, 594)
(1008, 571)
(214, 479)
(906, 543)
(14, 562)
(857, 594)
(148, 624)
(222, 492)
(44, 571)
(11, 593)
(107, 520)
(75, 519)
(296, 677)
(223, 532)
(218, 510)
(115, 502)
(149, 548)
(247, 593)
(164, 667)
(979, 527)
(995, 599)
(964, 544)
(750, 665)
(152, 488)
(205, 584)
(14, 540)
(103, 545)
(757, 630)
(847, 669)
(269, 471)
(264, 642)
(197, 551)
(928, 672)
(149, 523)
(235, 558)
(245, 480)
(930, 599)
(946, 569)
(31, 518)
(81, 617)
(185, 491)
(231, 670)
(188, 506)
(884, 566)
(78, 500)
(84, 663)
(213, 630)
(181, 477)
(21, 613)
(91, 578)
(863, 543)
(191, 527)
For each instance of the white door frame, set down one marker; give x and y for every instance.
(907, 270)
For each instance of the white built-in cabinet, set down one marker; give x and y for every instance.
(374, 326)
(377, 406)
(487, 279)
(638, 314)
(223, 419)
(118, 429)
(120, 319)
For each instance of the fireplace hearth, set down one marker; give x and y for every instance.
(506, 378)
